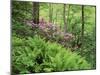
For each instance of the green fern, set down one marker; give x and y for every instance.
(36, 55)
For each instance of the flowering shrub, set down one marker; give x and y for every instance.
(51, 32)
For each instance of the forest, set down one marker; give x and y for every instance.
(52, 37)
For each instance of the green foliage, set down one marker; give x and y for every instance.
(21, 29)
(21, 10)
(32, 53)
(36, 55)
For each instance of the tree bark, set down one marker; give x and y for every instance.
(64, 18)
(36, 12)
(68, 21)
(82, 34)
(50, 12)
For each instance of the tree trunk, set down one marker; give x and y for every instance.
(82, 32)
(68, 13)
(64, 18)
(50, 12)
(36, 12)
(56, 16)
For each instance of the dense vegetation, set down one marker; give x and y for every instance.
(49, 37)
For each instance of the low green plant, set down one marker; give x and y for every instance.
(34, 54)
(21, 29)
